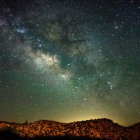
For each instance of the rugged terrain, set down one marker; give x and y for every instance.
(95, 129)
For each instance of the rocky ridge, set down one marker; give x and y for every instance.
(100, 128)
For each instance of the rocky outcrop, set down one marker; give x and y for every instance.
(100, 128)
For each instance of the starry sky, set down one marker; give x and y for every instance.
(70, 60)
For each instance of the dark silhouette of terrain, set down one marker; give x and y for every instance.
(100, 129)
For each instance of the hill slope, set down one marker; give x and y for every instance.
(100, 128)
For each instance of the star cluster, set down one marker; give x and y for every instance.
(69, 60)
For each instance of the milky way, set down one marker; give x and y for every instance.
(69, 60)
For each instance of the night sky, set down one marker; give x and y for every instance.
(70, 60)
